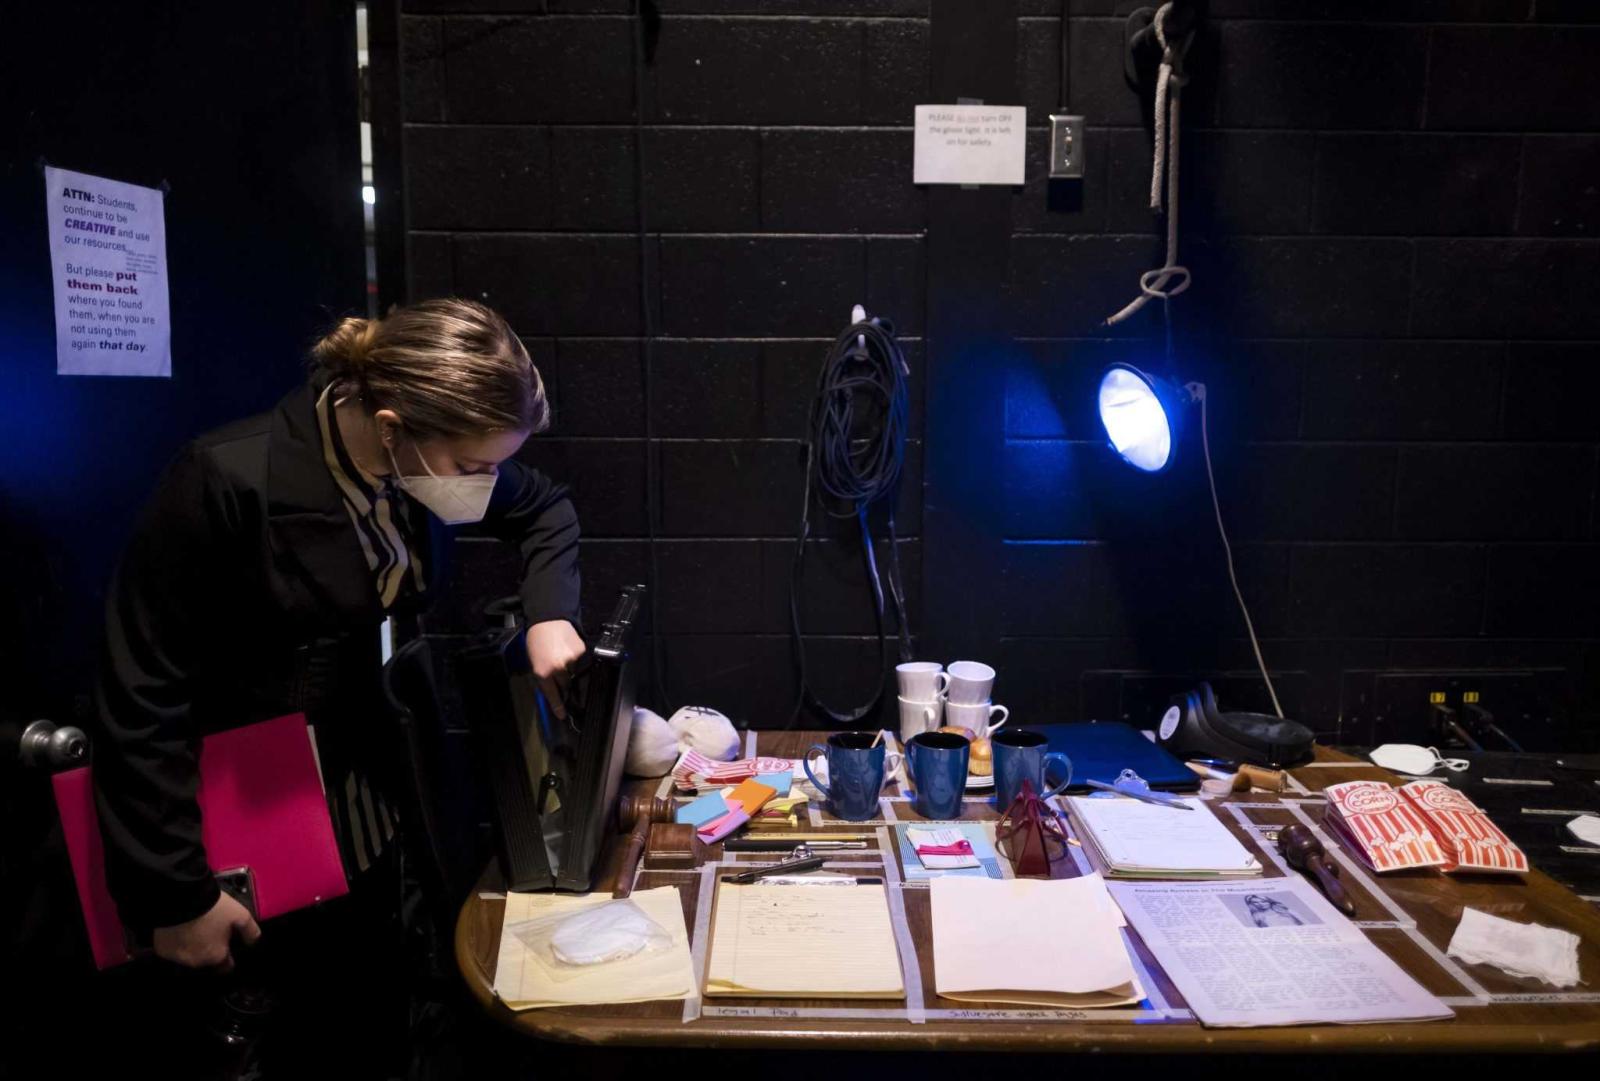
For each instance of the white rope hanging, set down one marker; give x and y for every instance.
(1159, 283)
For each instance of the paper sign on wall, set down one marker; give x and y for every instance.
(108, 255)
(970, 144)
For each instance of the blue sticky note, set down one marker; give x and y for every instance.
(778, 782)
(705, 809)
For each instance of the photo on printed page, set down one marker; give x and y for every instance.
(1270, 909)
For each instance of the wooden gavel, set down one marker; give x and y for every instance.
(1305, 853)
(635, 814)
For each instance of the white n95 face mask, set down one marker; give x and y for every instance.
(1409, 758)
(454, 500)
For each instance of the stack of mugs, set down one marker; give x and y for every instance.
(932, 697)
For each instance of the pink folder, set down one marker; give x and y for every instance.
(261, 807)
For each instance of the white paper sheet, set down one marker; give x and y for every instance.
(108, 257)
(1035, 942)
(969, 144)
(1273, 952)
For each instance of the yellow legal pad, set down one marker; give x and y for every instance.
(526, 980)
(811, 941)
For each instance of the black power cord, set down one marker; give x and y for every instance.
(1066, 56)
(855, 449)
(646, 25)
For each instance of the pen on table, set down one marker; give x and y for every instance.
(810, 863)
(745, 844)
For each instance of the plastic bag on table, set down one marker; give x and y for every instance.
(605, 933)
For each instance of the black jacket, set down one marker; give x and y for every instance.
(244, 595)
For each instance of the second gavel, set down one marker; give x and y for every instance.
(634, 814)
(1305, 853)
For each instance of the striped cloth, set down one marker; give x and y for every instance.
(379, 517)
(362, 820)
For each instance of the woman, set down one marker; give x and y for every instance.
(1270, 912)
(255, 586)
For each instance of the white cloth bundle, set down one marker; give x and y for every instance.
(655, 744)
(1522, 949)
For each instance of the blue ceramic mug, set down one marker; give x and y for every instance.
(1020, 755)
(856, 770)
(938, 767)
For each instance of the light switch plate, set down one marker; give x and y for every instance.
(1066, 147)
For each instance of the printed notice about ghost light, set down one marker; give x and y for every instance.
(969, 144)
(108, 256)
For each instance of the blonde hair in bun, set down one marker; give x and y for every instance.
(449, 367)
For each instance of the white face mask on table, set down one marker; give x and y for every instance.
(1418, 761)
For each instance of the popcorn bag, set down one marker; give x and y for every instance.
(1471, 842)
(1385, 827)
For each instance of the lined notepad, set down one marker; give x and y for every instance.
(817, 941)
(523, 980)
(1136, 839)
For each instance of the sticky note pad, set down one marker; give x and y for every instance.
(718, 828)
(705, 809)
(752, 795)
(778, 782)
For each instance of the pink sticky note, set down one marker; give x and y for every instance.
(712, 832)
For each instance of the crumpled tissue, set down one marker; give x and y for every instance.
(1521, 949)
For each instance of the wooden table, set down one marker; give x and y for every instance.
(1494, 1012)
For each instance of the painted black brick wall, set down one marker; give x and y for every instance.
(1391, 210)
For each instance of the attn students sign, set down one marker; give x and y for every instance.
(108, 257)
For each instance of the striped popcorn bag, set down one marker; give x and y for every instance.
(1471, 842)
(1388, 832)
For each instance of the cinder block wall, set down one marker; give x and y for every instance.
(1391, 212)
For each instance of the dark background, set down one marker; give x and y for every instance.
(252, 124)
(1391, 223)
(1391, 210)
(253, 129)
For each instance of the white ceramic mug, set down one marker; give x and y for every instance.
(975, 717)
(970, 682)
(918, 717)
(921, 681)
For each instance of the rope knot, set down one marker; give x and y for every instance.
(1169, 279)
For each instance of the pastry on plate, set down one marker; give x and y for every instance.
(980, 760)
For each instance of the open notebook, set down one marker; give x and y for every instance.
(811, 941)
(1136, 839)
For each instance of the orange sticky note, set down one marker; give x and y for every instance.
(752, 796)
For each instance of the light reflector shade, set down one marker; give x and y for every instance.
(1135, 418)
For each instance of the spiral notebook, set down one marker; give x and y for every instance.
(1135, 839)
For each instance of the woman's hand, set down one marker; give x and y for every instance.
(553, 647)
(207, 942)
